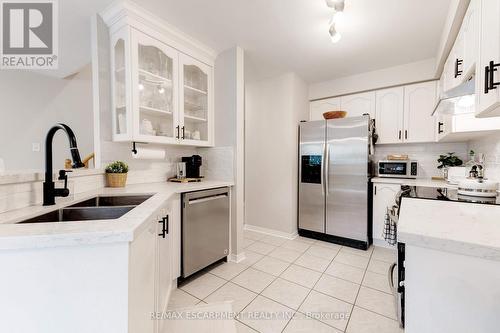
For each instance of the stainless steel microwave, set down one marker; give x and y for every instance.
(398, 169)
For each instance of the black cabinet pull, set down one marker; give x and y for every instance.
(440, 127)
(406, 134)
(182, 132)
(164, 228)
(177, 129)
(489, 77)
(399, 134)
(458, 72)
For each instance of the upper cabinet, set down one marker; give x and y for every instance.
(359, 104)
(355, 105)
(419, 103)
(161, 92)
(488, 75)
(317, 108)
(389, 115)
(404, 114)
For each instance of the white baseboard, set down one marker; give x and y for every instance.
(382, 243)
(271, 232)
(237, 258)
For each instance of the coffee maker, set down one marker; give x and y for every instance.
(193, 164)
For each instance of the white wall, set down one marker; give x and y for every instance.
(273, 109)
(31, 104)
(490, 146)
(398, 75)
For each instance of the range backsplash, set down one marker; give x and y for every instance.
(490, 147)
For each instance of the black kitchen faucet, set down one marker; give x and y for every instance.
(49, 191)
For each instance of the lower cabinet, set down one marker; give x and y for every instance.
(153, 268)
(384, 195)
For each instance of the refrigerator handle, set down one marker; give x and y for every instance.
(323, 171)
(327, 168)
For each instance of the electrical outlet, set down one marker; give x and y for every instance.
(35, 147)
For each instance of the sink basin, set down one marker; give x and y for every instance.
(97, 208)
(107, 201)
(81, 214)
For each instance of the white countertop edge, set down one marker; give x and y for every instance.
(124, 229)
(450, 245)
(468, 228)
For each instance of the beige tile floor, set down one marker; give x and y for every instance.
(300, 285)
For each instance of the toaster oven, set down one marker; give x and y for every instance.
(398, 169)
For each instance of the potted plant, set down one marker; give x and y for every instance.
(448, 160)
(116, 174)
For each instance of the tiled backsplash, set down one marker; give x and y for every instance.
(425, 153)
(490, 147)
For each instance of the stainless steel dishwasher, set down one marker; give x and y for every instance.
(205, 229)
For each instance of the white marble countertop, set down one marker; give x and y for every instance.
(429, 182)
(457, 227)
(39, 235)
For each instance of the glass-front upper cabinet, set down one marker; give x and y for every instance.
(155, 95)
(195, 100)
(160, 95)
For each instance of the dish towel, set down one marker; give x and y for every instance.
(390, 231)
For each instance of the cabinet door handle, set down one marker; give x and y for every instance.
(440, 127)
(162, 234)
(489, 77)
(458, 72)
(166, 224)
(182, 132)
(375, 190)
(177, 129)
(399, 134)
(406, 134)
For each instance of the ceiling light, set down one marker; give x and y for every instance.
(334, 34)
(338, 5)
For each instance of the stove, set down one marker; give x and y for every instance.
(446, 194)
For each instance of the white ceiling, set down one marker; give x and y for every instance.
(285, 35)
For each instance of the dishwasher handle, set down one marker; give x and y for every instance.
(209, 198)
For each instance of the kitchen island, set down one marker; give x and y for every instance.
(452, 265)
(92, 276)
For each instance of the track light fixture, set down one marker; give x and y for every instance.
(338, 7)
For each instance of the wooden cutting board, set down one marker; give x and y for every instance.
(184, 180)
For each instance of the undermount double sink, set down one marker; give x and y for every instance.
(97, 208)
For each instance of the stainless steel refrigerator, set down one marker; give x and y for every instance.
(334, 181)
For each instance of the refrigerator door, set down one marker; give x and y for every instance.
(347, 178)
(311, 174)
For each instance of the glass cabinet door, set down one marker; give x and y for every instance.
(156, 98)
(120, 102)
(195, 99)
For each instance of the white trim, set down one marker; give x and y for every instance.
(382, 243)
(271, 232)
(95, 91)
(237, 258)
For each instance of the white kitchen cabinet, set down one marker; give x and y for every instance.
(160, 92)
(419, 102)
(142, 280)
(488, 75)
(384, 195)
(389, 115)
(404, 114)
(465, 127)
(196, 113)
(470, 31)
(164, 260)
(317, 108)
(359, 104)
